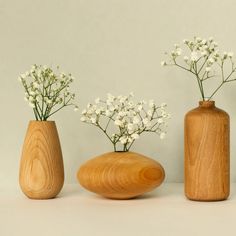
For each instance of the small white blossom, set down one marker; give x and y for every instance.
(136, 120)
(135, 136)
(208, 69)
(83, 119)
(118, 123)
(230, 54)
(97, 100)
(163, 63)
(129, 118)
(186, 58)
(194, 56)
(162, 135)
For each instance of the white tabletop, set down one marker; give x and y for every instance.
(164, 212)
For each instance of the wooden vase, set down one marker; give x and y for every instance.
(207, 153)
(121, 175)
(41, 166)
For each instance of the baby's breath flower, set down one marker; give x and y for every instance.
(163, 63)
(43, 93)
(202, 57)
(130, 118)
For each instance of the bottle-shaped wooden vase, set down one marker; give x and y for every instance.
(207, 153)
(41, 167)
(121, 175)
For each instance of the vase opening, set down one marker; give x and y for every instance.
(121, 151)
(207, 104)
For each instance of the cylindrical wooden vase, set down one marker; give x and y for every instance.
(207, 153)
(41, 166)
(121, 175)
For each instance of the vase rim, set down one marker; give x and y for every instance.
(41, 121)
(206, 103)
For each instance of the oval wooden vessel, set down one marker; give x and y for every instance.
(207, 153)
(41, 167)
(121, 175)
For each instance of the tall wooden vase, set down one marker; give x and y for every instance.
(207, 153)
(41, 167)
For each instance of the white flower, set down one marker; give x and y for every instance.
(208, 69)
(84, 112)
(83, 119)
(129, 117)
(211, 60)
(204, 53)
(145, 121)
(185, 41)
(178, 51)
(23, 76)
(163, 63)
(93, 120)
(186, 58)
(123, 139)
(230, 54)
(135, 136)
(162, 135)
(163, 105)
(98, 111)
(35, 85)
(140, 108)
(31, 99)
(76, 108)
(32, 105)
(194, 56)
(108, 113)
(118, 123)
(136, 120)
(131, 94)
(130, 127)
(97, 100)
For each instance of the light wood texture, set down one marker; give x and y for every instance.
(207, 153)
(121, 175)
(41, 167)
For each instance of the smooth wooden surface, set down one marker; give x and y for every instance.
(207, 153)
(121, 175)
(41, 167)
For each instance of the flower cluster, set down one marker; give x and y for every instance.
(47, 92)
(129, 118)
(204, 60)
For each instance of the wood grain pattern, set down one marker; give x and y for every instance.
(121, 175)
(207, 153)
(41, 167)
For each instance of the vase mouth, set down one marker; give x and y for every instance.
(121, 151)
(207, 103)
(42, 121)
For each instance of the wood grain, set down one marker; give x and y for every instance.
(207, 153)
(41, 166)
(121, 175)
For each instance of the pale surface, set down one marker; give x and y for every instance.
(75, 212)
(109, 46)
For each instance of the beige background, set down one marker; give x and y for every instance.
(109, 46)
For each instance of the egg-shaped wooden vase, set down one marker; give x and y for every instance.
(121, 175)
(207, 153)
(41, 166)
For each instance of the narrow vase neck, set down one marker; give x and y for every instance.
(207, 104)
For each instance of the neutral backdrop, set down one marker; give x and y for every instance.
(109, 46)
